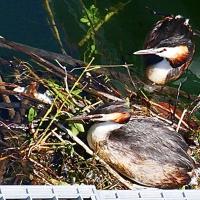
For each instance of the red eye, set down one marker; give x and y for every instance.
(162, 50)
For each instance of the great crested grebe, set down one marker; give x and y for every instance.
(168, 49)
(144, 149)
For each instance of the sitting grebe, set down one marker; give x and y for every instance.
(144, 149)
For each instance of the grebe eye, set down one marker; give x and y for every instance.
(162, 50)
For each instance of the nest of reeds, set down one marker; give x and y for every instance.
(39, 142)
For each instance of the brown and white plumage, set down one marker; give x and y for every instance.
(144, 149)
(168, 49)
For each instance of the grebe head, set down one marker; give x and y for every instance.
(107, 118)
(173, 53)
(118, 112)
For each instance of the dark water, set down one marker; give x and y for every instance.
(125, 32)
(26, 22)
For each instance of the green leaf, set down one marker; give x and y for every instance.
(32, 113)
(76, 92)
(84, 20)
(79, 127)
(76, 128)
(72, 151)
(93, 48)
(92, 7)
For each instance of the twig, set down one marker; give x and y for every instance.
(37, 174)
(76, 139)
(181, 119)
(53, 26)
(8, 84)
(195, 107)
(109, 96)
(46, 169)
(95, 67)
(79, 78)
(130, 77)
(166, 120)
(115, 10)
(6, 99)
(177, 97)
(39, 56)
(65, 78)
(21, 94)
(169, 111)
(43, 119)
(40, 52)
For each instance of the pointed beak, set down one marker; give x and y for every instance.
(116, 117)
(95, 117)
(145, 52)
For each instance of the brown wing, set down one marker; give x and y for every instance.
(146, 151)
(177, 70)
(150, 138)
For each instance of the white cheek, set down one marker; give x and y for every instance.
(172, 52)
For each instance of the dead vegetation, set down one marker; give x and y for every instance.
(40, 145)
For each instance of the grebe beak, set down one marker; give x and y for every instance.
(147, 51)
(118, 117)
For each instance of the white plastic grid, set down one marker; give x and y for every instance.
(87, 192)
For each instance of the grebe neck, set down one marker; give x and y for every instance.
(99, 132)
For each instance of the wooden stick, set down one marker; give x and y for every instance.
(181, 120)
(53, 26)
(4, 43)
(6, 99)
